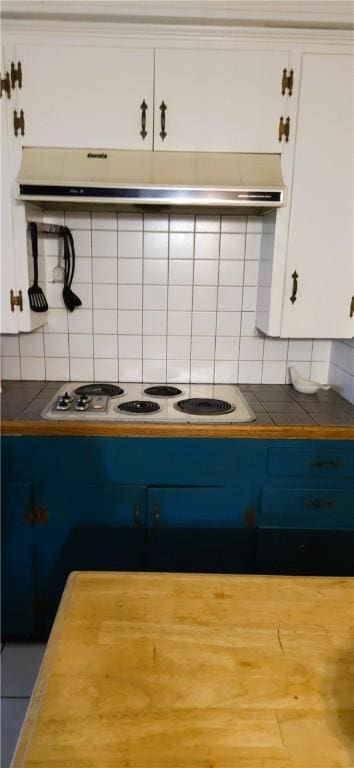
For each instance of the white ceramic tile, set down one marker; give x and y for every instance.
(84, 292)
(105, 271)
(226, 372)
(182, 223)
(275, 349)
(207, 246)
(251, 272)
(10, 346)
(154, 370)
(77, 219)
(31, 345)
(248, 325)
(13, 713)
(130, 245)
(251, 348)
(226, 348)
(180, 297)
(32, 368)
(231, 272)
(250, 371)
(232, 247)
(202, 372)
(104, 220)
(181, 272)
(130, 222)
(106, 369)
(274, 372)
(205, 298)
(104, 244)
(321, 351)
(129, 321)
(83, 270)
(233, 224)
(105, 296)
(205, 223)
(203, 323)
(155, 322)
(19, 668)
(229, 299)
(80, 321)
(81, 369)
(301, 366)
(81, 345)
(155, 245)
(155, 222)
(206, 272)
(105, 321)
(56, 344)
(179, 323)
(228, 323)
(130, 370)
(154, 347)
(10, 368)
(319, 371)
(130, 296)
(178, 371)
(253, 247)
(299, 350)
(155, 271)
(181, 245)
(54, 246)
(155, 297)
(130, 347)
(178, 347)
(130, 271)
(82, 243)
(105, 346)
(203, 347)
(57, 368)
(249, 299)
(254, 224)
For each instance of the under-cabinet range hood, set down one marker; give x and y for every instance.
(116, 178)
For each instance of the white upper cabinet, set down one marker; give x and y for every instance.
(9, 318)
(219, 100)
(86, 96)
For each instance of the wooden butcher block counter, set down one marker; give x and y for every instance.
(147, 670)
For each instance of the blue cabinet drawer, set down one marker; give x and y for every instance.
(307, 508)
(311, 462)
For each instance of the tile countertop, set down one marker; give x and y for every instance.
(280, 412)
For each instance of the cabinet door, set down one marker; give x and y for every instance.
(199, 529)
(305, 552)
(226, 101)
(321, 232)
(86, 96)
(17, 574)
(9, 319)
(88, 527)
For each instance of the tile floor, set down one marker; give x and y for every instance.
(19, 668)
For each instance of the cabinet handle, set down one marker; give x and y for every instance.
(320, 504)
(143, 107)
(137, 517)
(157, 516)
(324, 463)
(163, 109)
(295, 286)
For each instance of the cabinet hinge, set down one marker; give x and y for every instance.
(5, 85)
(284, 128)
(16, 75)
(37, 515)
(287, 82)
(16, 301)
(351, 311)
(19, 123)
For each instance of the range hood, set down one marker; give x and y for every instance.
(122, 178)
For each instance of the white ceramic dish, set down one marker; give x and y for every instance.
(305, 386)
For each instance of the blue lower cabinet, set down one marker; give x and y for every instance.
(18, 597)
(331, 508)
(305, 552)
(200, 530)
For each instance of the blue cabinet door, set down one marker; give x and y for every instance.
(17, 574)
(200, 529)
(305, 552)
(88, 527)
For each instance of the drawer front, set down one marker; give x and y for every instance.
(307, 508)
(311, 462)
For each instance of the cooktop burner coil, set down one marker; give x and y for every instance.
(139, 406)
(108, 390)
(204, 406)
(163, 391)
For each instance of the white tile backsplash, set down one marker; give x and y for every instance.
(167, 298)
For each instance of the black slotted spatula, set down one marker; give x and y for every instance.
(37, 299)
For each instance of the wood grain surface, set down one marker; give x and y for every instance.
(136, 429)
(148, 670)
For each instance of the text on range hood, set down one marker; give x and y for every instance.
(121, 178)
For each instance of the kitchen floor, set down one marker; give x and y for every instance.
(20, 664)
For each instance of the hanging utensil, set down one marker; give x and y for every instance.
(37, 299)
(71, 300)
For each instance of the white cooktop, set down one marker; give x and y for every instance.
(167, 405)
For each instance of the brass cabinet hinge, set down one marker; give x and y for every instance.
(351, 311)
(287, 82)
(37, 515)
(5, 85)
(16, 75)
(16, 301)
(284, 128)
(19, 123)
